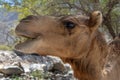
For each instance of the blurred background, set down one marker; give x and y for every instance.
(11, 11)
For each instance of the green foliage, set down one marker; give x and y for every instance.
(34, 75)
(37, 7)
(15, 77)
(63, 7)
(103, 3)
(38, 74)
(5, 47)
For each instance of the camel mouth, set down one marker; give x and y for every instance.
(22, 39)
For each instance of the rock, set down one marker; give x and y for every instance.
(35, 67)
(31, 67)
(68, 67)
(11, 70)
(58, 67)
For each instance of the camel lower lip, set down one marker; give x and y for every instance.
(21, 41)
(20, 46)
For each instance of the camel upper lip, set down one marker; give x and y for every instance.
(24, 39)
(25, 35)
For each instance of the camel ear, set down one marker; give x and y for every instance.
(95, 19)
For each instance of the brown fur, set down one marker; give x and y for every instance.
(80, 45)
(90, 65)
(112, 65)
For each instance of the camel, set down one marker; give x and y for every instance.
(76, 39)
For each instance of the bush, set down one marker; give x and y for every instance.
(34, 75)
(5, 47)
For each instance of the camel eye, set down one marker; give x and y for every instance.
(69, 24)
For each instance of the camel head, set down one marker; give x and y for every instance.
(66, 36)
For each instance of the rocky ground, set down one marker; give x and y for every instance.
(17, 66)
